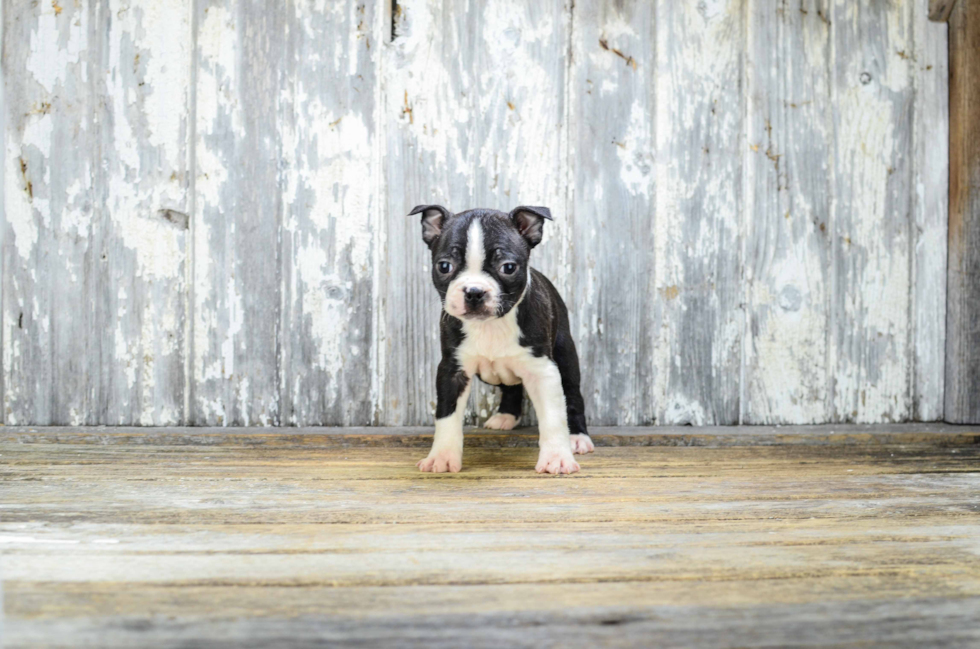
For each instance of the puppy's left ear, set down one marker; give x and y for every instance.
(530, 222)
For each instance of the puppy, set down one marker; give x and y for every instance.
(504, 323)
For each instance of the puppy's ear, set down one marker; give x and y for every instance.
(434, 217)
(530, 222)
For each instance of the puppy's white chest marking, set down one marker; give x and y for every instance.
(493, 350)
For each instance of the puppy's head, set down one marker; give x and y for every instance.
(480, 257)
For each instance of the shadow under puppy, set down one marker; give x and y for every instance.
(504, 323)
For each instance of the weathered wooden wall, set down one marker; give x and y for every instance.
(205, 204)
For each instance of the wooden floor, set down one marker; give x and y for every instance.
(844, 537)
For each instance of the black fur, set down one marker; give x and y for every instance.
(541, 316)
(511, 400)
(451, 380)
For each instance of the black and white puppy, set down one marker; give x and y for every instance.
(504, 323)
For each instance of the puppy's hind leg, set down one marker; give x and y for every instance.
(509, 412)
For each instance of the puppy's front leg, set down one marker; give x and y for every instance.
(452, 391)
(542, 380)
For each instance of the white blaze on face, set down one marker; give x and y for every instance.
(476, 253)
(472, 275)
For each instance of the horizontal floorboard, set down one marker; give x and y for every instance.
(421, 436)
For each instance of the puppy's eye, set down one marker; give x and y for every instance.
(509, 268)
(445, 267)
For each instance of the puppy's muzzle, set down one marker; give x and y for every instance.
(474, 296)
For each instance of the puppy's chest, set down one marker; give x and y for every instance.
(493, 351)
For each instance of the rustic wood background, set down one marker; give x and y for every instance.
(205, 203)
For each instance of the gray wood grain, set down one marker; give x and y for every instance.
(614, 306)
(35, 355)
(95, 172)
(700, 49)
(331, 203)
(789, 166)
(144, 165)
(931, 203)
(963, 314)
(909, 623)
(939, 435)
(870, 223)
(238, 208)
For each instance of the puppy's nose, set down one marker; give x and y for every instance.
(474, 295)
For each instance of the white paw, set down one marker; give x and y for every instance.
(501, 421)
(445, 461)
(581, 444)
(556, 461)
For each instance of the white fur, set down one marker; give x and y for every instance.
(501, 421)
(473, 275)
(447, 444)
(581, 444)
(542, 380)
(492, 349)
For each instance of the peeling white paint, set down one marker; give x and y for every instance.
(680, 410)
(224, 365)
(323, 297)
(636, 152)
(931, 178)
(787, 197)
(53, 52)
(697, 212)
(17, 208)
(415, 84)
(870, 350)
(343, 199)
(163, 40)
(663, 136)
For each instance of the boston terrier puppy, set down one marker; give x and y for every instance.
(504, 323)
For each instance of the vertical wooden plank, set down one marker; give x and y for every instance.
(146, 72)
(698, 205)
(331, 210)
(870, 229)
(474, 105)
(787, 208)
(931, 201)
(615, 307)
(51, 363)
(236, 298)
(963, 314)
(93, 253)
